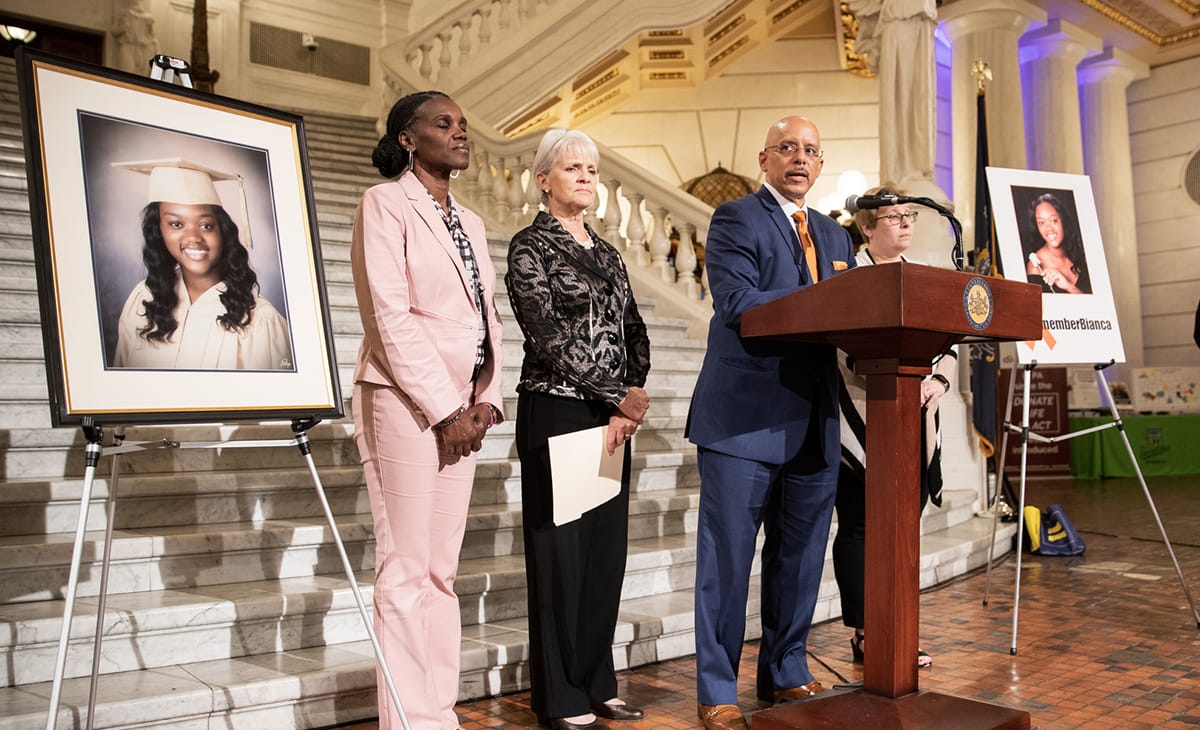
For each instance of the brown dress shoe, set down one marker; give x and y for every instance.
(802, 692)
(721, 717)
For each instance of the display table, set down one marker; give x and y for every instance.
(1164, 445)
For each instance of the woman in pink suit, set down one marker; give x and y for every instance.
(426, 389)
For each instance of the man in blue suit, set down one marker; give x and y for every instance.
(764, 418)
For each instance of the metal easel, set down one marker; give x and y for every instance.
(167, 68)
(95, 436)
(1026, 437)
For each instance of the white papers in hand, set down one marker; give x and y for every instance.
(583, 473)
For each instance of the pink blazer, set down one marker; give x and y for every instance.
(420, 324)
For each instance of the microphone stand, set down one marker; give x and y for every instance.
(956, 255)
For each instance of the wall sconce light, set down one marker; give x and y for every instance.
(309, 41)
(17, 34)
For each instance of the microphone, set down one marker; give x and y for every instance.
(1037, 264)
(855, 203)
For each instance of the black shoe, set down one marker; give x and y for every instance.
(618, 712)
(856, 648)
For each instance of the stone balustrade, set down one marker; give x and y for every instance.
(654, 224)
(465, 31)
(657, 226)
(503, 57)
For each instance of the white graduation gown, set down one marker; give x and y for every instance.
(200, 342)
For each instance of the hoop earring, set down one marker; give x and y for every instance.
(454, 174)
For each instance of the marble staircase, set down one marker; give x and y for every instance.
(227, 605)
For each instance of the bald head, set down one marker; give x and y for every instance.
(793, 169)
(779, 130)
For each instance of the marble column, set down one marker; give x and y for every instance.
(1103, 81)
(1049, 56)
(987, 30)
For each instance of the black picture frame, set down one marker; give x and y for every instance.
(85, 213)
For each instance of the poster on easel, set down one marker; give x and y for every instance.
(1048, 416)
(1048, 234)
(175, 239)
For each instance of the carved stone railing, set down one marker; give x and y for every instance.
(501, 56)
(655, 225)
(464, 31)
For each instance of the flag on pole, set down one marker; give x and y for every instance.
(985, 357)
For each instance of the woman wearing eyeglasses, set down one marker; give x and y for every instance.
(888, 233)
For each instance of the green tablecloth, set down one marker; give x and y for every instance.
(1164, 445)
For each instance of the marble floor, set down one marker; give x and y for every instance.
(1105, 640)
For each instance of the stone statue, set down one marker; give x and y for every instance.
(896, 36)
(134, 35)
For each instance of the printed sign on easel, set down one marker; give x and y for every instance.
(1047, 416)
(1048, 234)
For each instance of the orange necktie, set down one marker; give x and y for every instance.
(806, 243)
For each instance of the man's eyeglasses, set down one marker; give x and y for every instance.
(789, 149)
(895, 218)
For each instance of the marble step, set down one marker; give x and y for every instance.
(37, 511)
(322, 144)
(33, 450)
(15, 222)
(335, 683)
(491, 587)
(12, 158)
(20, 300)
(16, 248)
(180, 620)
(360, 139)
(344, 318)
(325, 120)
(23, 318)
(18, 273)
(344, 159)
(361, 179)
(26, 364)
(13, 200)
(24, 401)
(11, 177)
(266, 545)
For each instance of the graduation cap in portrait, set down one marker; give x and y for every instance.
(176, 180)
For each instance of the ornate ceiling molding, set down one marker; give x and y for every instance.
(1142, 18)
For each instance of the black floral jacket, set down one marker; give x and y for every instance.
(584, 337)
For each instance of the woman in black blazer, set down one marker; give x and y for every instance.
(586, 360)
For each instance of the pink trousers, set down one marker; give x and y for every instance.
(420, 513)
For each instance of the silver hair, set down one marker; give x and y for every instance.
(555, 145)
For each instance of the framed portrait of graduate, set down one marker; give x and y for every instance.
(1048, 234)
(179, 267)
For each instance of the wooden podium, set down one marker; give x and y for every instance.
(893, 319)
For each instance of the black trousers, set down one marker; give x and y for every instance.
(574, 571)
